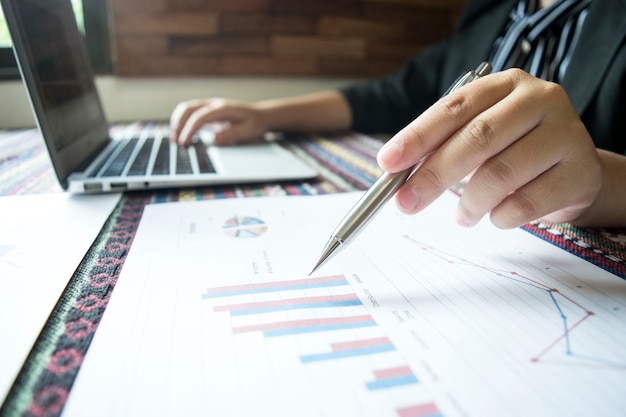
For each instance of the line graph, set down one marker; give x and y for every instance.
(557, 300)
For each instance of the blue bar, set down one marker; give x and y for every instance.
(320, 304)
(429, 415)
(320, 328)
(391, 382)
(340, 354)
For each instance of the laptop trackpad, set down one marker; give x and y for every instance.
(265, 158)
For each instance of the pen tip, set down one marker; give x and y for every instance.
(330, 249)
(315, 268)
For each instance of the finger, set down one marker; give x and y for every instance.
(519, 184)
(194, 121)
(495, 180)
(180, 115)
(537, 198)
(563, 191)
(435, 125)
(205, 115)
(231, 133)
(495, 128)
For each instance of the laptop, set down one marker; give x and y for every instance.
(87, 154)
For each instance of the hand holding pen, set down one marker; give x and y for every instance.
(529, 154)
(382, 190)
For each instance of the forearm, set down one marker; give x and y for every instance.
(323, 111)
(609, 209)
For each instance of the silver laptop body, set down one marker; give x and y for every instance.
(88, 157)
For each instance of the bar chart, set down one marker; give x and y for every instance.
(332, 326)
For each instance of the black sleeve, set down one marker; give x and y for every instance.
(387, 104)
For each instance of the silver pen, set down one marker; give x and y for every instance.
(382, 190)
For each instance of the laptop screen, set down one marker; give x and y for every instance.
(52, 57)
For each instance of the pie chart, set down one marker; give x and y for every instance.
(244, 227)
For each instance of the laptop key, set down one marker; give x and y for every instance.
(140, 164)
(162, 162)
(98, 167)
(204, 163)
(183, 164)
(119, 162)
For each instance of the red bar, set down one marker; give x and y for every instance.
(393, 372)
(429, 409)
(379, 341)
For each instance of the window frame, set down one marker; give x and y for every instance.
(97, 39)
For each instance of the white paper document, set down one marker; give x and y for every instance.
(214, 314)
(43, 238)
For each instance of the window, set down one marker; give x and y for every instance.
(91, 16)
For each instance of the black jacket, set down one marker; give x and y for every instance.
(595, 80)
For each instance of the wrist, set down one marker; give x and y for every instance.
(321, 111)
(609, 207)
(274, 114)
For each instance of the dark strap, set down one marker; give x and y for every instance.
(541, 41)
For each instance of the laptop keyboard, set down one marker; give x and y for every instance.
(138, 156)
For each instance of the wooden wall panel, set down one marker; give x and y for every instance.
(347, 38)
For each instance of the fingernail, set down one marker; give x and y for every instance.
(407, 200)
(390, 153)
(463, 220)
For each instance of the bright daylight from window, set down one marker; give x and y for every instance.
(5, 38)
